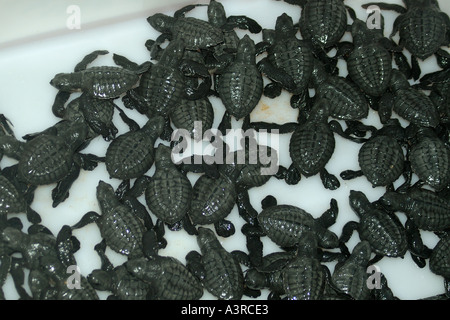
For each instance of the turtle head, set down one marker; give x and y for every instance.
(161, 22)
(100, 279)
(65, 82)
(359, 203)
(216, 14)
(255, 280)
(13, 238)
(206, 237)
(284, 26)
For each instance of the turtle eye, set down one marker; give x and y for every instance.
(159, 22)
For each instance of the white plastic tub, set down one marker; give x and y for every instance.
(38, 41)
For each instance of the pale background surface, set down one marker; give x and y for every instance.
(36, 44)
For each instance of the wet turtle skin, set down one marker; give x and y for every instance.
(425, 208)
(96, 113)
(196, 33)
(31, 246)
(188, 112)
(47, 257)
(131, 154)
(323, 22)
(439, 84)
(304, 277)
(412, 104)
(422, 28)
(11, 200)
(351, 275)
(223, 278)
(439, 259)
(118, 225)
(57, 273)
(384, 232)
(240, 86)
(168, 278)
(346, 100)
(120, 282)
(290, 54)
(369, 64)
(212, 198)
(312, 143)
(430, 159)
(48, 158)
(286, 224)
(381, 160)
(269, 274)
(162, 86)
(169, 192)
(253, 173)
(103, 82)
(217, 17)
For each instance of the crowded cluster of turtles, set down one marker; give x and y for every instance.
(192, 61)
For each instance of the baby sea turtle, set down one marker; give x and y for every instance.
(223, 274)
(168, 278)
(312, 145)
(103, 82)
(429, 157)
(258, 162)
(121, 283)
(196, 33)
(97, 113)
(162, 86)
(410, 103)
(322, 22)
(346, 100)
(286, 224)
(45, 255)
(213, 198)
(240, 85)
(423, 27)
(381, 158)
(195, 116)
(51, 156)
(439, 259)
(439, 84)
(47, 157)
(351, 275)
(169, 192)
(40, 242)
(383, 230)
(304, 277)
(225, 52)
(286, 52)
(220, 55)
(14, 198)
(119, 226)
(369, 63)
(58, 281)
(425, 208)
(131, 154)
(269, 273)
